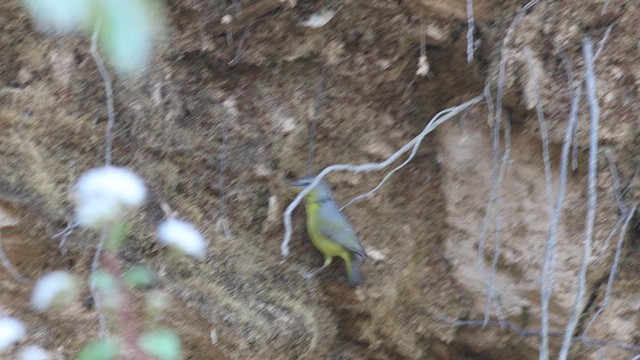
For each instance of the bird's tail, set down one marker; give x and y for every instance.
(353, 271)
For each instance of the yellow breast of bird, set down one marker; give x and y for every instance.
(325, 245)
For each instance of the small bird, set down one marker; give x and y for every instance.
(329, 230)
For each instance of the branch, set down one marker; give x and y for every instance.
(544, 134)
(529, 333)
(484, 228)
(102, 69)
(470, 29)
(617, 185)
(64, 235)
(224, 221)
(614, 268)
(497, 230)
(435, 122)
(549, 260)
(496, 196)
(97, 298)
(592, 202)
(603, 42)
(371, 192)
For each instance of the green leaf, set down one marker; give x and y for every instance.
(162, 344)
(101, 349)
(108, 288)
(139, 277)
(129, 32)
(104, 282)
(117, 234)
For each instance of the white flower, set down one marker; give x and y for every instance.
(183, 236)
(33, 352)
(12, 330)
(61, 16)
(54, 288)
(105, 194)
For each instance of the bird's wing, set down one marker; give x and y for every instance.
(335, 226)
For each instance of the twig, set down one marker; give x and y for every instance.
(238, 54)
(10, 269)
(470, 30)
(504, 51)
(64, 234)
(617, 186)
(603, 42)
(489, 101)
(492, 204)
(630, 183)
(614, 268)
(530, 333)
(126, 316)
(238, 8)
(313, 125)
(390, 173)
(498, 176)
(605, 7)
(367, 167)
(497, 230)
(223, 166)
(97, 299)
(575, 104)
(549, 256)
(544, 133)
(227, 19)
(484, 228)
(232, 111)
(590, 79)
(574, 156)
(549, 259)
(496, 196)
(613, 231)
(575, 108)
(106, 78)
(496, 182)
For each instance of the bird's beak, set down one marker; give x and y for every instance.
(299, 185)
(295, 188)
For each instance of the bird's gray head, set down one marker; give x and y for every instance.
(322, 188)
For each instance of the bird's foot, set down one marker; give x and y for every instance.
(307, 275)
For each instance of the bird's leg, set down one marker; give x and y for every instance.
(309, 274)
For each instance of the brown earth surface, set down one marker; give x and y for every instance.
(423, 228)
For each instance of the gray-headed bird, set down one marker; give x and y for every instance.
(329, 230)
